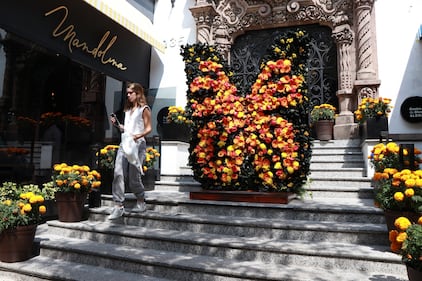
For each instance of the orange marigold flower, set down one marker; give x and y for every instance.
(42, 209)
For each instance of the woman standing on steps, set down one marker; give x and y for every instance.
(132, 150)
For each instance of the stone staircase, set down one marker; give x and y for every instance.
(334, 233)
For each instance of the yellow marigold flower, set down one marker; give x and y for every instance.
(27, 208)
(33, 199)
(77, 185)
(398, 196)
(410, 183)
(401, 237)
(420, 220)
(409, 192)
(402, 223)
(290, 170)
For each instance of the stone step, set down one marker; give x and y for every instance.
(177, 266)
(308, 209)
(350, 143)
(337, 157)
(336, 164)
(331, 173)
(315, 231)
(340, 192)
(274, 251)
(46, 268)
(338, 181)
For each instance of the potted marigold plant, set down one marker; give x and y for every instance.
(398, 192)
(20, 213)
(372, 114)
(106, 158)
(406, 240)
(73, 183)
(175, 125)
(151, 157)
(322, 117)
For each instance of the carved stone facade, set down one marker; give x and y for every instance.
(220, 22)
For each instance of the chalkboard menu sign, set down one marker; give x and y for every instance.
(411, 109)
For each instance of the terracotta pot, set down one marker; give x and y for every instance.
(70, 206)
(17, 244)
(413, 274)
(324, 129)
(392, 215)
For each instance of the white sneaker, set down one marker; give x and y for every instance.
(116, 213)
(140, 207)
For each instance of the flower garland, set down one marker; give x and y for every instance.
(258, 140)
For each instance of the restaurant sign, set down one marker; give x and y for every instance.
(80, 32)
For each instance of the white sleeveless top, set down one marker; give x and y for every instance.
(134, 122)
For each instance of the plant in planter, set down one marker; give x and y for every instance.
(106, 157)
(396, 191)
(322, 117)
(105, 160)
(373, 108)
(372, 114)
(20, 213)
(151, 157)
(177, 114)
(176, 125)
(399, 193)
(406, 240)
(387, 156)
(72, 184)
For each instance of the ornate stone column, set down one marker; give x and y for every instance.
(204, 14)
(367, 83)
(344, 127)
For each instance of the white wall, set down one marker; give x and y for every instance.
(177, 28)
(399, 57)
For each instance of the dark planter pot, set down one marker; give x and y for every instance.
(70, 206)
(51, 210)
(372, 127)
(392, 215)
(149, 179)
(174, 132)
(17, 244)
(106, 180)
(94, 199)
(413, 274)
(324, 129)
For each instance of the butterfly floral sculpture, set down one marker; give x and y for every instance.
(258, 140)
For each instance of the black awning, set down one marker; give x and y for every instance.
(81, 32)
